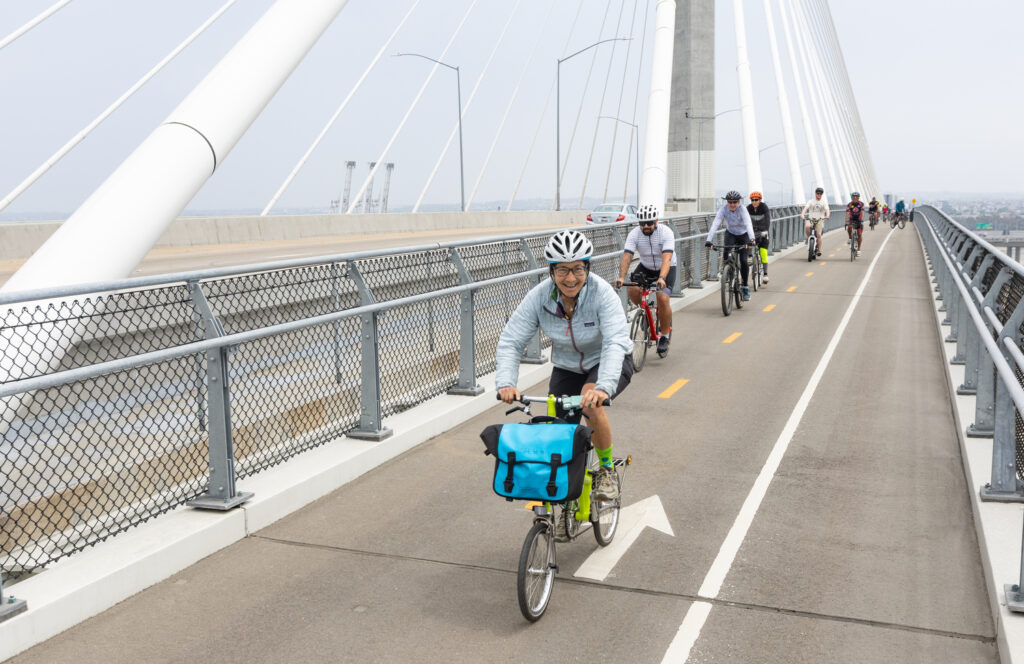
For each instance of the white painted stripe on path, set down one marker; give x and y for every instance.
(679, 650)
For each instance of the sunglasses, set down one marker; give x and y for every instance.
(755, 200)
(648, 223)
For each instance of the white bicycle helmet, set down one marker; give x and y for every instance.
(647, 212)
(568, 246)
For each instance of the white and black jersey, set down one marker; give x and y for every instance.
(649, 248)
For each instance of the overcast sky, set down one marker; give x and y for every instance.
(935, 85)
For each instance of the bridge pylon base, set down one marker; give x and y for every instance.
(10, 607)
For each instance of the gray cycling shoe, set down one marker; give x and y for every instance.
(606, 486)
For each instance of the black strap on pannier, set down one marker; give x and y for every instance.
(509, 484)
(556, 461)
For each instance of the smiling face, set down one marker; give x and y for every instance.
(569, 277)
(647, 227)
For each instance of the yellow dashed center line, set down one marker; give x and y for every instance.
(808, 274)
(821, 263)
(769, 307)
(732, 337)
(831, 255)
(791, 289)
(673, 388)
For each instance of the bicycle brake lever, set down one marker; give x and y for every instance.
(515, 408)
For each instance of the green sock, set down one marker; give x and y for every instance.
(605, 456)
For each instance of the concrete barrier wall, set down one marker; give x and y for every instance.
(21, 239)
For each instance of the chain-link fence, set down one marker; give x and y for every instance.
(133, 398)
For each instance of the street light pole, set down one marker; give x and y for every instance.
(558, 116)
(636, 129)
(458, 86)
(700, 142)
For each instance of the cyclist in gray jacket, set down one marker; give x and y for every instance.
(590, 345)
(739, 232)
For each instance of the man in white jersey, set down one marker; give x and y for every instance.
(739, 232)
(815, 213)
(654, 243)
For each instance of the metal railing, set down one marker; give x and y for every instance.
(120, 401)
(982, 293)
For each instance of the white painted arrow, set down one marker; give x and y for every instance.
(632, 521)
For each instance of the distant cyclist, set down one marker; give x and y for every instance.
(901, 209)
(885, 213)
(855, 219)
(761, 218)
(590, 344)
(873, 211)
(739, 232)
(654, 243)
(815, 213)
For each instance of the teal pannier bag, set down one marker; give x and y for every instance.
(543, 460)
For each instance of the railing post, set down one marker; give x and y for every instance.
(696, 263)
(1005, 485)
(10, 605)
(370, 425)
(531, 355)
(985, 398)
(220, 492)
(466, 385)
(973, 339)
(677, 287)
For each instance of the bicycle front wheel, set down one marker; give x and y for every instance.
(903, 222)
(640, 333)
(737, 289)
(726, 285)
(812, 250)
(605, 516)
(536, 575)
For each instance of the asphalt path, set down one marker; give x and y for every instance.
(859, 545)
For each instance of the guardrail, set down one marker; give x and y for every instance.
(982, 291)
(120, 401)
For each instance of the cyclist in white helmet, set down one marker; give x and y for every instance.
(590, 344)
(654, 243)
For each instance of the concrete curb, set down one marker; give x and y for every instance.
(88, 583)
(998, 525)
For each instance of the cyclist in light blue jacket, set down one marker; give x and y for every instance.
(590, 345)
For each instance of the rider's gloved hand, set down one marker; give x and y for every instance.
(618, 283)
(508, 394)
(707, 244)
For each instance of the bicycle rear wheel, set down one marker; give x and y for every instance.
(726, 286)
(536, 574)
(640, 333)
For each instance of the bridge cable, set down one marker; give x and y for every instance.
(33, 23)
(600, 106)
(636, 101)
(618, 108)
(793, 159)
(508, 108)
(408, 113)
(302, 161)
(544, 110)
(465, 107)
(80, 136)
(805, 117)
(583, 97)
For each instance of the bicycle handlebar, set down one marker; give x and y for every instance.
(566, 402)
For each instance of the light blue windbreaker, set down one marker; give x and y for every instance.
(596, 333)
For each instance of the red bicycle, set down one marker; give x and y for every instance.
(643, 324)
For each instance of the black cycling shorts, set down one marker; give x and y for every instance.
(565, 382)
(652, 277)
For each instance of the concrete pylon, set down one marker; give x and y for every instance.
(691, 134)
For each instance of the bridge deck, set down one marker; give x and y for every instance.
(863, 549)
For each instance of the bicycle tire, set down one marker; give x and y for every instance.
(903, 222)
(812, 247)
(641, 335)
(737, 289)
(853, 246)
(607, 513)
(536, 576)
(726, 286)
(755, 270)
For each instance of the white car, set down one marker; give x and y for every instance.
(612, 212)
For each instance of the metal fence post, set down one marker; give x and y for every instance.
(10, 605)
(677, 242)
(985, 398)
(972, 345)
(220, 492)
(466, 385)
(696, 264)
(370, 425)
(531, 355)
(1005, 486)
(336, 281)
